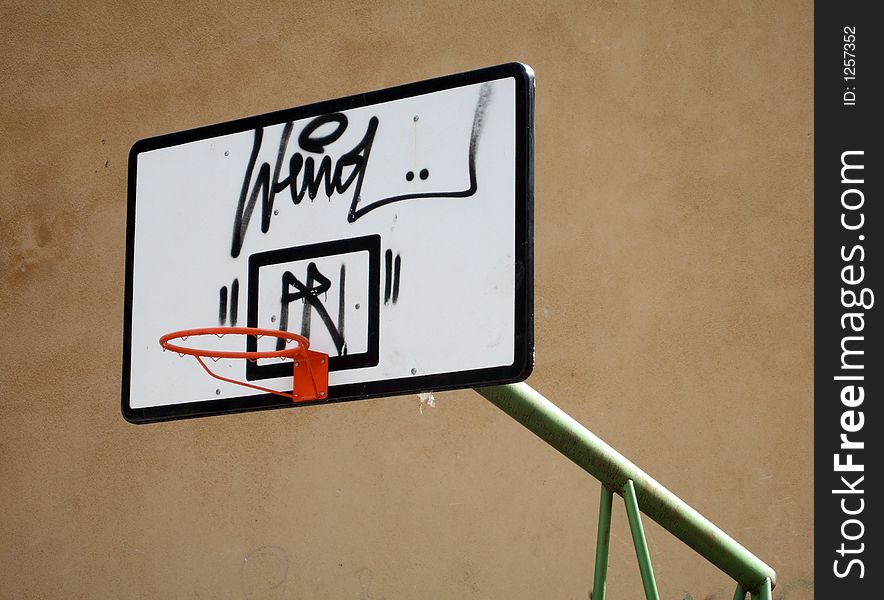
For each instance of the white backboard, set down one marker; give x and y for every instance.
(394, 229)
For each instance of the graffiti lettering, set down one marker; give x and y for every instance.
(308, 174)
(305, 176)
(317, 283)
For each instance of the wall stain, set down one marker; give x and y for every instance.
(365, 578)
(264, 573)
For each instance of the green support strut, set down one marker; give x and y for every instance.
(603, 542)
(638, 539)
(763, 592)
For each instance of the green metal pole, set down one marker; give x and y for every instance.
(641, 544)
(597, 458)
(765, 590)
(740, 593)
(603, 542)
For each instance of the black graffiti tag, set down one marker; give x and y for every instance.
(294, 289)
(306, 175)
(309, 174)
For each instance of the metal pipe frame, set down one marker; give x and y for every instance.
(613, 470)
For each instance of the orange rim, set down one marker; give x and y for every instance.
(313, 386)
(299, 350)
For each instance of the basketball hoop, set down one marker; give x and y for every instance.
(310, 368)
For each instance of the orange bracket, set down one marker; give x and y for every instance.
(311, 377)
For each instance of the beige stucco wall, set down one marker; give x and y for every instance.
(673, 308)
